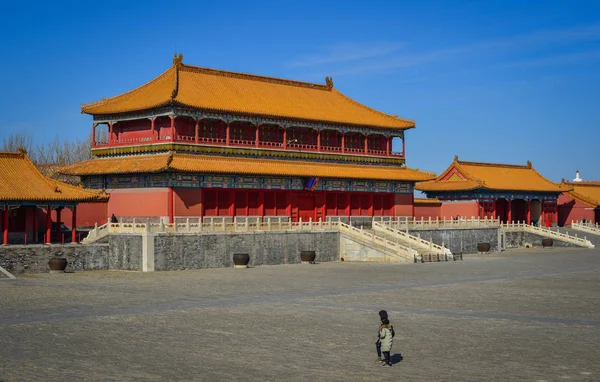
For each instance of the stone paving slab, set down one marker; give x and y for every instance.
(521, 315)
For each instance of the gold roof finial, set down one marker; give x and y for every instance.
(177, 59)
(329, 82)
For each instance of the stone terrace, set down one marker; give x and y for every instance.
(529, 315)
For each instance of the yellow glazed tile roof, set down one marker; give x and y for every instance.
(587, 192)
(248, 166)
(492, 176)
(21, 181)
(222, 91)
(121, 165)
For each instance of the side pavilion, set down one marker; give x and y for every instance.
(24, 192)
(581, 203)
(492, 190)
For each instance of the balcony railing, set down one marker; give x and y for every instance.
(293, 146)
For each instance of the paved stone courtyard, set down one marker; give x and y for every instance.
(530, 315)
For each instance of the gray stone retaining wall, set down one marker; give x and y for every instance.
(18, 259)
(179, 251)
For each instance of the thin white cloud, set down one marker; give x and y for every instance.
(352, 59)
(562, 59)
(346, 52)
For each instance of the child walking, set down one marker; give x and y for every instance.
(383, 315)
(386, 339)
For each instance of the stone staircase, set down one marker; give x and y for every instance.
(357, 244)
(422, 246)
(557, 233)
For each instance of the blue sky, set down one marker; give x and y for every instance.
(504, 81)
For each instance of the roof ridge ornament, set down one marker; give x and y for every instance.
(529, 165)
(177, 60)
(456, 158)
(329, 82)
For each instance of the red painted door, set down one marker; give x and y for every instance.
(306, 207)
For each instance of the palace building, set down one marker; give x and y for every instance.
(212, 143)
(491, 190)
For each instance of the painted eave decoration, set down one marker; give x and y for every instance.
(207, 164)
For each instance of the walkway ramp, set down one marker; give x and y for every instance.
(4, 274)
(359, 245)
(420, 245)
(546, 232)
(96, 234)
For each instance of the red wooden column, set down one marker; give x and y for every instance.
(171, 212)
(318, 140)
(74, 225)
(256, 136)
(261, 204)
(196, 132)
(348, 209)
(227, 134)
(529, 212)
(48, 238)
(387, 146)
(232, 203)
(343, 143)
(509, 214)
(58, 222)
(403, 149)
(93, 135)
(543, 215)
(5, 225)
(413, 204)
(110, 132)
(173, 132)
(366, 144)
(371, 206)
(201, 204)
(152, 128)
(285, 138)
(34, 235)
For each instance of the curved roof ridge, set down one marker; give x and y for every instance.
(409, 121)
(135, 90)
(585, 183)
(491, 164)
(548, 180)
(466, 174)
(253, 77)
(584, 199)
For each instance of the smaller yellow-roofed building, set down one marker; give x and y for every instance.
(493, 190)
(581, 203)
(27, 200)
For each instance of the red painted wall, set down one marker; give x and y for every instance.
(570, 209)
(427, 210)
(465, 209)
(88, 214)
(403, 205)
(187, 201)
(142, 202)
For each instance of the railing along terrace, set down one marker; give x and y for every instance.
(403, 222)
(588, 227)
(292, 146)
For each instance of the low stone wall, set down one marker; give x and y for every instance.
(18, 259)
(212, 250)
(461, 240)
